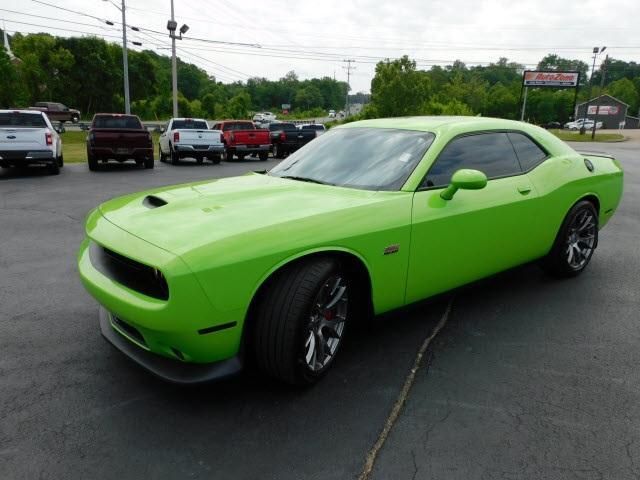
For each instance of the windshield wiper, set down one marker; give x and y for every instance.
(306, 179)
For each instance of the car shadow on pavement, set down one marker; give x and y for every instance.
(25, 172)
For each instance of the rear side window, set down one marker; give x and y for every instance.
(22, 120)
(528, 152)
(117, 122)
(491, 153)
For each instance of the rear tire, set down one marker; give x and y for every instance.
(53, 168)
(229, 156)
(216, 159)
(199, 160)
(61, 161)
(305, 306)
(93, 163)
(264, 156)
(161, 156)
(149, 162)
(240, 156)
(174, 157)
(575, 243)
(277, 151)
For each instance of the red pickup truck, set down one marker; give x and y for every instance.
(114, 136)
(241, 138)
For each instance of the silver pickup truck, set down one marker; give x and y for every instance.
(190, 138)
(28, 138)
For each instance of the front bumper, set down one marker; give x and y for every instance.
(184, 328)
(173, 371)
(26, 157)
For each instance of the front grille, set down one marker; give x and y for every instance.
(134, 275)
(130, 330)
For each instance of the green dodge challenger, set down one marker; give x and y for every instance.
(371, 216)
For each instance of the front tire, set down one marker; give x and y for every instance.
(575, 243)
(301, 321)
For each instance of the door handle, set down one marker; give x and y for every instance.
(524, 189)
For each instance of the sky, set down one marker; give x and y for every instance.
(313, 38)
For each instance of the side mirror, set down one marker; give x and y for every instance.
(161, 129)
(465, 179)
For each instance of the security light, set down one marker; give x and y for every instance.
(183, 29)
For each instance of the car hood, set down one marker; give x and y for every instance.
(186, 217)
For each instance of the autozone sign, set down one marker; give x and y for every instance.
(603, 110)
(550, 79)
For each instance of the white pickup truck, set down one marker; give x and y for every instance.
(28, 138)
(190, 137)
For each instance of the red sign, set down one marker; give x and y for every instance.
(550, 79)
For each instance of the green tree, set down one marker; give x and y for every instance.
(398, 89)
(625, 90)
(309, 97)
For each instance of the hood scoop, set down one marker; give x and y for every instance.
(151, 201)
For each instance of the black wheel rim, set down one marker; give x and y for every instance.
(581, 239)
(326, 323)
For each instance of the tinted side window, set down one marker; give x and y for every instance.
(529, 154)
(491, 153)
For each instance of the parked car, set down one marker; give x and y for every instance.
(287, 138)
(264, 117)
(242, 138)
(551, 125)
(577, 124)
(370, 217)
(28, 138)
(316, 127)
(58, 112)
(119, 137)
(190, 137)
(332, 114)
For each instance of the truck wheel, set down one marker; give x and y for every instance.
(148, 162)
(161, 156)
(75, 119)
(229, 156)
(264, 156)
(53, 168)
(174, 157)
(93, 163)
(278, 151)
(301, 320)
(216, 159)
(199, 160)
(240, 156)
(61, 161)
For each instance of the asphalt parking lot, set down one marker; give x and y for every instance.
(530, 378)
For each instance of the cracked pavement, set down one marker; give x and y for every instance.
(530, 378)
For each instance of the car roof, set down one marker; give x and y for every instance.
(189, 119)
(19, 110)
(433, 123)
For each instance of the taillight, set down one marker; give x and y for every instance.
(283, 137)
(48, 138)
(176, 137)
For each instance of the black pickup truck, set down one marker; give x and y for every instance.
(286, 138)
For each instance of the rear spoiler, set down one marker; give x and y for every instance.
(595, 154)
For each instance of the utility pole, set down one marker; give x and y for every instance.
(125, 61)
(172, 25)
(603, 72)
(596, 51)
(348, 68)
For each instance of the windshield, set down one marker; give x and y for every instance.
(365, 158)
(190, 125)
(22, 120)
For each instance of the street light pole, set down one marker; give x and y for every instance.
(174, 67)
(603, 72)
(125, 61)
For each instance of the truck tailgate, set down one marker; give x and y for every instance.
(195, 137)
(23, 138)
(251, 137)
(108, 137)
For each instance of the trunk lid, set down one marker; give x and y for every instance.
(108, 137)
(23, 138)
